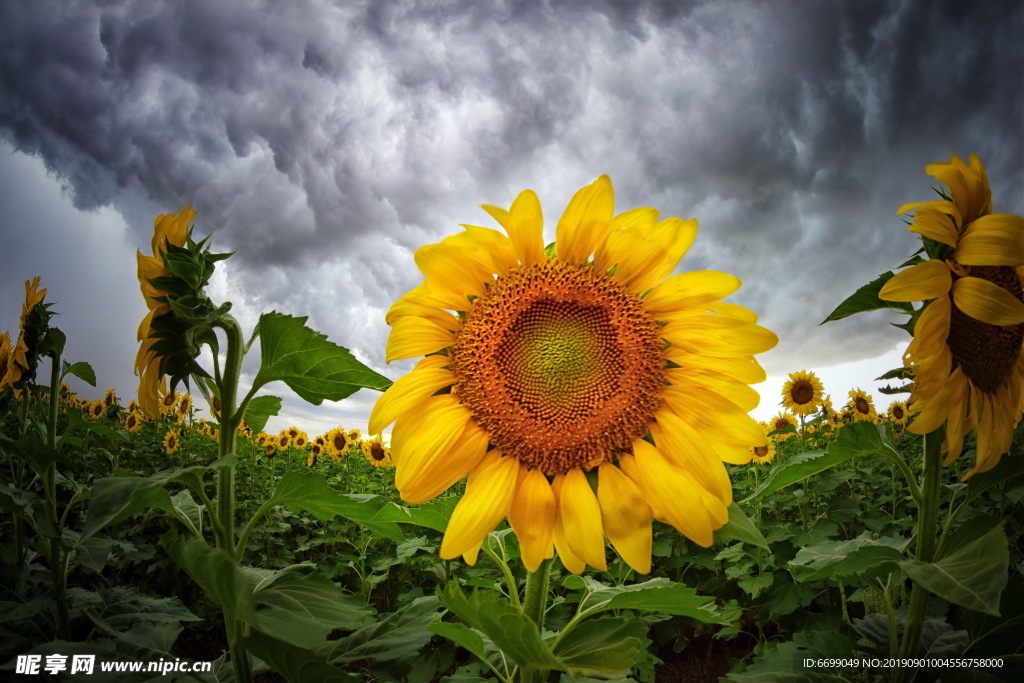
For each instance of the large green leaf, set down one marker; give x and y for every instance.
(514, 633)
(312, 366)
(866, 299)
(220, 577)
(973, 575)
(296, 664)
(741, 528)
(476, 643)
(259, 410)
(302, 607)
(608, 647)
(854, 440)
(654, 595)
(401, 634)
(116, 498)
(863, 556)
(81, 370)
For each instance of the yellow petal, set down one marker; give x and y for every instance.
(413, 336)
(525, 228)
(581, 519)
(718, 335)
(993, 240)
(745, 368)
(491, 248)
(423, 436)
(426, 379)
(497, 213)
(532, 517)
(928, 280)
(677, 236)
(442, 468)
(933, 222)
(585, 222)
(690, 290)
(987, 302)
(683, 447)
(569, 559)
(625, 516)
(488, 497)
(450, 268)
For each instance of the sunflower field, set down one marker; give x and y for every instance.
(568, 485)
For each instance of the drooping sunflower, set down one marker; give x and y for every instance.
(6, 361)
(377, 453)
(862, 406)
(802, 393)
(21, 357)
(171, 441)
(167, 228)
(544, 366)
(967, 355)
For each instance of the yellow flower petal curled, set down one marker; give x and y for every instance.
(626, 517)
(486, 502)
(928, 280)
(987, 302)
(585, 222)
(532, 517)
(557, 359)
(993, 240)
(581, 519)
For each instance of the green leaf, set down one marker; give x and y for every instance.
(259, 410)
(78, 421)
(972, 575)
(854, 440)
(608, 647)
(864, 557)
(1007, 470)
(296, 664)
(186, 510)
(313, 367)
(476, 643)
(740, 528)
(302, 607)
(514, 633)
(116, 498)
(784, 662)
(402, 634)
(220, 577)
(81, 370)
(866, 299)
(653, 595)
(32, 450)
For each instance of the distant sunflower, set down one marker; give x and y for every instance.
(110, 398)
(98, 409)
(132, 423)
(862, 406)
(802, 393)
(781, 421)
(967, 354)
(586, 358)
(337, 443)
(284, 441)
(762, 455)
(354, 435)
(6, 361)
(184, 407)
(377, 453)
(19, 362)
(171, 441)
(300, 441)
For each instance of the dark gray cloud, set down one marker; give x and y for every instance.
(325, 142)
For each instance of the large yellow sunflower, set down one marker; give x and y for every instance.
(802, 393)
(174, 229)
(967, 354)
(548, 372)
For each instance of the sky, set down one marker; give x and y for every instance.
(323, 143)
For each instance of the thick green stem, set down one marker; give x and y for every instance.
(927, 525)
(58, 558)
(535, 606)
(228, 388)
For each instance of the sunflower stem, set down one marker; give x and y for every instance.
(927, 525)
(535, 606)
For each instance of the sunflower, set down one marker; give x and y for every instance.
(967, 354)
(300, 441)
(98, 409)
(354, 435)
(172, 229)
(862, 406)
(802, 393)
(110, 398)
(284, 441)
(18, 362)
(545, 370)
(337, 443)
(762, 455)
(169, 402)
(377, 453)
(781, 421)
(183, 408)
(132, 423)
(171, 441)
(6, 362)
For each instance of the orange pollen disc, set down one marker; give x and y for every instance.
(760, 451)
(802, 392)
(987, 353)
(376, 451)
(561, 365)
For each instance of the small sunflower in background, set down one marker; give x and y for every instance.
(354, 435)
(583, 362)
(183, 408)
(781, 421)
(6, 360)
(337, 443)
(171, 442)
(862, 406)
(967, 355)
(284, 441)
(169, 402)
(132, 423)
(802, 394)
(762, 455)
(377, 453)
(899, 413)
(301, 440)
(110, 398)
(97, 409)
